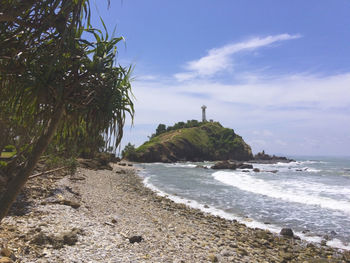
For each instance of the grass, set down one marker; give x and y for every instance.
(7, 154)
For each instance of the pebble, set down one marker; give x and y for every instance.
(5, 252)
(135, 239)
(5, 260)
(213, 258)
(161, 230)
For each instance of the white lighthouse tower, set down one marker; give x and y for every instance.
(204, 119)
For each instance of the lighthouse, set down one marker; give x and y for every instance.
(204, 119)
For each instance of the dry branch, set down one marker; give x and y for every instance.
(47, 172)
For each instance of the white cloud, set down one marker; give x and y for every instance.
(220, 59)
(258, 143)
(300, 95)
(281, 109)
(265, 133)
(147, 77)
(280, 142)
(185, 76)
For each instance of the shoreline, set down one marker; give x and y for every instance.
(249, 222)
(115, 206)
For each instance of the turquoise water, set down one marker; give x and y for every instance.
(311, 195)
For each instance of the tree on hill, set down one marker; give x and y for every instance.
(179, 125)
(192, 123)
(129, 151)
(55, 84)
(160, 129)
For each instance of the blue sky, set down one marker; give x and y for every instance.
(277, 72)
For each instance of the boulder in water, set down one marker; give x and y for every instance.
(224, 165)
(271, 171)
(262, 157)
(245, 166)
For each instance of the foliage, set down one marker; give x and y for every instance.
(55, 161)
(188, 124)
(46, 63)
(129, 151)
(160, 129)
(56, 86)
(179, 125)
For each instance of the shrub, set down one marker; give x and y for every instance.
(129, 152)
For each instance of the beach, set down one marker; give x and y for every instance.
(110, 216)
(309, 195)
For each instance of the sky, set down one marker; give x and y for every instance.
(277, 72)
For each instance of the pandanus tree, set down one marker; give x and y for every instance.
(55, 83)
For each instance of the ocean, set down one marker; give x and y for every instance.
(310, 195)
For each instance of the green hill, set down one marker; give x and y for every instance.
(205, 141)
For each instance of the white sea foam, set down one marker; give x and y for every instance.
(249, 223)
(338, 244)
(306, 169)
(285, 164)
(151, 164)
(182, 165)
(287, 191)
(311, 170)
(311, 162)
(287, 168)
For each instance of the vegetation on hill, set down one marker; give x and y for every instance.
(191, 141)
(179, 125)
(59, 90)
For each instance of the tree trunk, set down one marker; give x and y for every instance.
(15, 186)
(3, 132)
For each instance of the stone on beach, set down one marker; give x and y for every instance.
(71, 203)
(135, 239)
(5, 252)
(287, 232)
(57, 241)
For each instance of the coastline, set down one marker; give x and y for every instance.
(115, 206)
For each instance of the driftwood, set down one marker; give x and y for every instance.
(47, 172)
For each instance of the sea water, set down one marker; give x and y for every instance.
(310, 195)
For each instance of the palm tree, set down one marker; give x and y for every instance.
(55, 83)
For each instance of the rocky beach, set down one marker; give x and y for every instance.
(110, 216)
